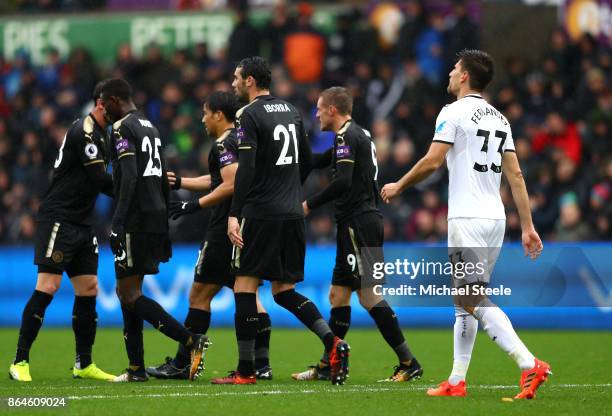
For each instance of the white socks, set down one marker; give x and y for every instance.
(499, 328)
(465, 330)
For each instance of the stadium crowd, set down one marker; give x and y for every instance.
(560, 109)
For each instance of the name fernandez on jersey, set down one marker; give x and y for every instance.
(479, 135)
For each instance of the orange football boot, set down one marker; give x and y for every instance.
(234, 377)
(532, 379)
(447, 389)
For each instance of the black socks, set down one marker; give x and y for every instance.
(388, 325)
(197, 321)
(84, 323)
(31, 321)
(132, 335)
(262, 341)
(307, 313)
(153, 313)
(246, 320)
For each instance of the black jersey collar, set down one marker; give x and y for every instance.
(473, 96)
(345, 123)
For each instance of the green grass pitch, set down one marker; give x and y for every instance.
(581, 382)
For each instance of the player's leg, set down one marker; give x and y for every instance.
(31, 321)
(196, 321)
(246, 331)
(84, 323)
(339, 322)
(387, 323)
(198, 317)
(263, 371)
(82, 271)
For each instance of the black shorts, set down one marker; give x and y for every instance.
(61, 247)
(273, 250)
(214, 262)
(143, 253)
(359, 244)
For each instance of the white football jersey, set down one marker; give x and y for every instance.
(479, 135)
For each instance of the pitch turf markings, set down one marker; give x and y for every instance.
(318, 390)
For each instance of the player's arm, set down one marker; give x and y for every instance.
(197, 184)
(322, 160)
(512, 171)
(305, 154)
(129, 176)
(222, 192)
(427, 165)
(247, 151)
(92, 159)
(339, 185)
(99, 178)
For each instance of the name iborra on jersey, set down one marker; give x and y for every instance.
(277, 108)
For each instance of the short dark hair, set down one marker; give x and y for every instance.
(340, 98)
(258, 68)
(97, 92)
(225, 102)
(117, 87)
(479, 65)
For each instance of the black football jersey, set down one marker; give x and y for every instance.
(223, 153)
(135, 136)
(353, 144)
(71, 196)
(274, 129)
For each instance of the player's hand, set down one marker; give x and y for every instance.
(305, 208)
(233, 232)
(532, 244)
(174, 180)
(117, 242)
(390, 191)
(179, 208)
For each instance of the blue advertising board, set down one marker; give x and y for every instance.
(568, 287)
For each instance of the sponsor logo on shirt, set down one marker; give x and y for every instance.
(440, 127)
(121, 145)
(343, 152)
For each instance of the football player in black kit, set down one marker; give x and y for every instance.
(139, 231)
(65, 242)
(212, 269)
(360, 234)
(275, 158)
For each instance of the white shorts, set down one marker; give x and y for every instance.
(477, 241)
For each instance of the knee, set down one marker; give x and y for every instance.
(339, 297)
(128, 296)
(200, 299)
(89, 288)
(48, 286)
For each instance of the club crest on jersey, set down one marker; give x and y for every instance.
(91, 151)
(440, 127)
(342, 152)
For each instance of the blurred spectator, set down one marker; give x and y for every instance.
(557, 136)
(561, 116)
(244, 39)
(304, 53)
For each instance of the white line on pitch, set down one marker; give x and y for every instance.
(259, 389)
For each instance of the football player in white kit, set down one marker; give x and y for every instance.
(477, 143)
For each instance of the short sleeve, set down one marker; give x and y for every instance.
(345, 147)
(83, 143)
(246, 132)
(228, 152)
(446, 127)
(123, 141)
(509, 144)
